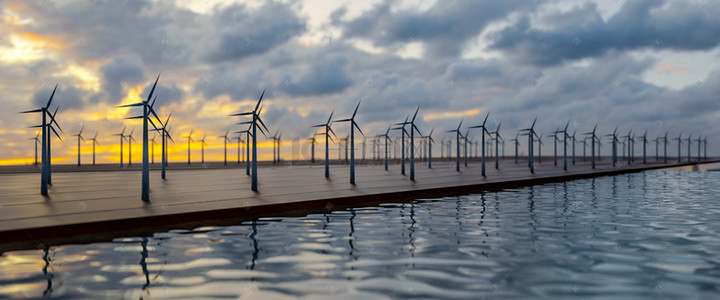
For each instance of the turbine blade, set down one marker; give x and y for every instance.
(131, 105)
(153, 88)
(51, 97)
(356, 109)
(330, 118)
(259, 100)
(31, 111)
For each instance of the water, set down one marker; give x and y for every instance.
(645, 235)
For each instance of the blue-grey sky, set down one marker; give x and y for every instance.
(636, 64)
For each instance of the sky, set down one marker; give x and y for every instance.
(635, 64)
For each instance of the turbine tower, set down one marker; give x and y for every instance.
(413, 129)
(147, 111)
(353, 125)
(255, 113)
(430, 141)
(189, 139)
(79, 138)
(458, 137)
(45, 169)
(497, 143)
(328, 131)
(403, 132)
(165, 135)
(531, 137)
(37, 141)
(202, 149)
(516, 141)
(226, 139)
(643, 139)
(122, 139)
(679, 155)
(593, 138)
(94, 142)
(130, 140)
(483, 130)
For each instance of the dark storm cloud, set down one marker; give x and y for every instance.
(228, 80)
(324, 77)
(118, 75)
(100, 29)
(444, 28)
(166, 93)
(639, 24)
(245, 32)
(66, 97)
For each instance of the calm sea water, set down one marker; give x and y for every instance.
(647, 235)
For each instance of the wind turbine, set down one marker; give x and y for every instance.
(643, 139)
(584, 142)
(689, 143)
(402, 143)
(328, 131)
(540, 144)
(574, 141)
(629, 142)
(239, 141)
(152, 149)
(665, 144)
(255, 113)
(593, 138)
(37, 141)
(699, 140)
(80, 137)
(565, 136)
(165, 135)
(386, 137)
(147, 110)
(516, 141)
(122, 139)
(657, 147)
(202, 150)
(49, 143)
(679, 139)
(483, 130)
(130, 140)
(247, 133)
(465, 147)
(312, 148)
(413, 129)
(497, 142)
(189, 139)
(226, 139)
(430, 141)
(353, 125)
(94, 142)
(45, 169)
(459, 136)
(615, 140)
(555, 140)
(531, 137)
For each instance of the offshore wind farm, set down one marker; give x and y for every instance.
(367, 150)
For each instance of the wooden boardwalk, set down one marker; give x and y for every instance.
(85, 205)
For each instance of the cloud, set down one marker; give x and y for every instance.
(444, 29)
(324, 77)
(247, 32)
(119, 75)
(65, 97)
(641, 24)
